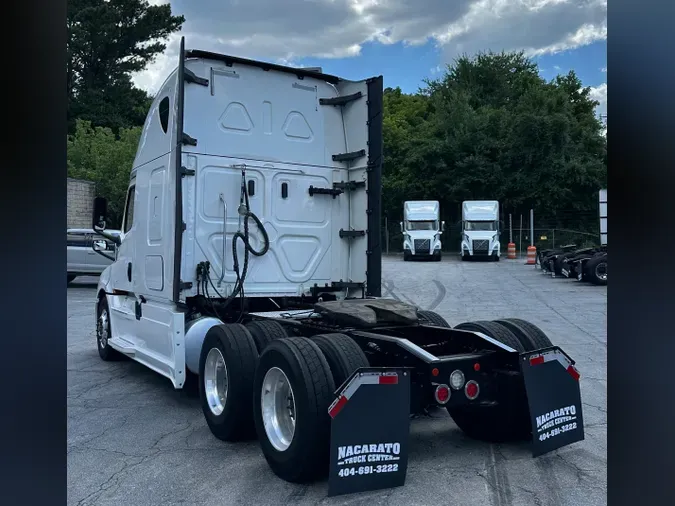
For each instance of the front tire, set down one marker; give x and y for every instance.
(293, 389)
(103, 332)
(226, 370)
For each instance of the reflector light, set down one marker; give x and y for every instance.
(442, 394)
(573, 372)
(471, 390)
(537, 360)
(434, 372)
(476, 367)
(457, 379)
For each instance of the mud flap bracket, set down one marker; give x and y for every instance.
(554, 399)
(374, 456)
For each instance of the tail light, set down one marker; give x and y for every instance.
(442, 394)
(457, 379)
(471, 390)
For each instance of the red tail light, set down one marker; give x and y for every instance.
(442, 394)
(471, 390)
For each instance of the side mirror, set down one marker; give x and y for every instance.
(401, 224)
(100, 213)
(100, 245)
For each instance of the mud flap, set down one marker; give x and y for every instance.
(370, 426)
(554, 399)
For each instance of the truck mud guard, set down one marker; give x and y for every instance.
(554, 399)
(375, 402)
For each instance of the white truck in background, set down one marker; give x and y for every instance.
(480, 229)
(421, 228)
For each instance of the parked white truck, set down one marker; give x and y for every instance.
(249, 261)
(480, 229)
(421, 228)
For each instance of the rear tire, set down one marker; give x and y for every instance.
(226, 371)
(303, 456)
(596, 267)
(343, 354)
(433, 318)
(265, 331)
(495, 331)
(531, 336)
(496, 422)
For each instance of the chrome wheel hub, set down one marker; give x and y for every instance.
(215, 381)
(601, 271)
(102, 328)
(278, 409)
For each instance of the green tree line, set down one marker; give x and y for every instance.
(490, 127)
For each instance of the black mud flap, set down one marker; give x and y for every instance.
(554, 398)
(370, 426)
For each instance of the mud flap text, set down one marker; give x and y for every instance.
(554, 398)
(370, 425)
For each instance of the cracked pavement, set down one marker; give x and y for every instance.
(132, 439)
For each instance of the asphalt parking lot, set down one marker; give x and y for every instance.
(134, 440)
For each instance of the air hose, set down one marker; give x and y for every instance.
(245, 214)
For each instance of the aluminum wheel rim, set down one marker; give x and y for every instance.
(278, 409)
(102, 328)
(601, 271)
(216, 382)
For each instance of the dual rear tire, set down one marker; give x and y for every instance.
(507, 418)
(254, 381)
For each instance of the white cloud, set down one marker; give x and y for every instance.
(293, 29)
(603, 69)
(599, 93)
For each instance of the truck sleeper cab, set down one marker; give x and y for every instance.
(422, 230)
(249, 262)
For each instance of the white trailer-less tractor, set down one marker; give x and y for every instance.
(480, 229)
(250, 262)
(421, 228)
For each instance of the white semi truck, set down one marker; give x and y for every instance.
(421, 228)
(480, 229)
(249, 262)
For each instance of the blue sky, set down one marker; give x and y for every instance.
(406, 66)
(402, 40)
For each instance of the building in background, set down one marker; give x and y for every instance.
(80, 203)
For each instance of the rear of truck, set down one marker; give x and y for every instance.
(270, 196)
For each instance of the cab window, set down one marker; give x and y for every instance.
(129, 211)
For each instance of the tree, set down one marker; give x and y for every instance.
(109, 40)
(492, 128)
(97, 154)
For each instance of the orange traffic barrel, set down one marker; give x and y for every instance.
(531, 255)
(511, 250)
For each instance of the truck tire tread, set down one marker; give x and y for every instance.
(495, 331)
(240, 354)
(531, 336)
(343, 354)
(432, 317)
(308, 371)
(265, 331)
